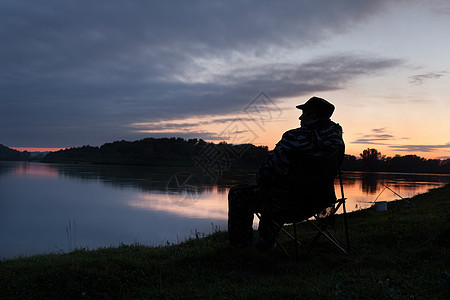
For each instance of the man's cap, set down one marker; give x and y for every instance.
(321, 106)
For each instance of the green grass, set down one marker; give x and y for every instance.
(402, 253)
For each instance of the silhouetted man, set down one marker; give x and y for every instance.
(317, 136)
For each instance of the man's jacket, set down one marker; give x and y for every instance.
(290, 167)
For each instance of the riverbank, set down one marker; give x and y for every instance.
(399, 253)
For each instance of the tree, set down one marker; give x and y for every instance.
(371, 159)
(371, 154)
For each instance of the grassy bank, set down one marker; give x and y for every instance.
(400, 253)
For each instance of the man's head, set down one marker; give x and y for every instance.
(320, 107)
(315, 108)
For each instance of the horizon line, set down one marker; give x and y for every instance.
(38, 149)
(54, 149)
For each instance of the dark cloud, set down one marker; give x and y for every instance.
(372, 141)
(422, 78)
(161, 125)
(115, 106)
(420, 148)
(81, 71)
(378, 137)
(441, 7)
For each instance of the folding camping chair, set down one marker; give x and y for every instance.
(312, 177)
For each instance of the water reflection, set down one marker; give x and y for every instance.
(369, 183)
(206, 205)
(123, 204)
(185, 187)
(362, 188)
(28, 169)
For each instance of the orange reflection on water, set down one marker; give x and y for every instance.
(34, 169)
(210, 204)
(362, 194)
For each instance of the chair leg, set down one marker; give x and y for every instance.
(323, 231)
(344, 210)
(346, 227)
(290, 236)
(274, 235)
(295, 240)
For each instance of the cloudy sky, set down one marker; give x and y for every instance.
(77, 72)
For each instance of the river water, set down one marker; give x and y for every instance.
(57, 207)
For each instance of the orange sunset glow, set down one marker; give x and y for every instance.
(37, 149)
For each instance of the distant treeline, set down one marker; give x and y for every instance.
(165, 151)
(213, 157)
(371, 160)
(9, 154)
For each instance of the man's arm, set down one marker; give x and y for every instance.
(276, 167)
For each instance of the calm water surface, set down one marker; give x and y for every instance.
(56, 208)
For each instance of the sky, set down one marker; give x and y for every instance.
(76, 72)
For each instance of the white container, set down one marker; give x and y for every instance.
(381, 205)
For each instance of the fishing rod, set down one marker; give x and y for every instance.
(409, 202)
(387, 187)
